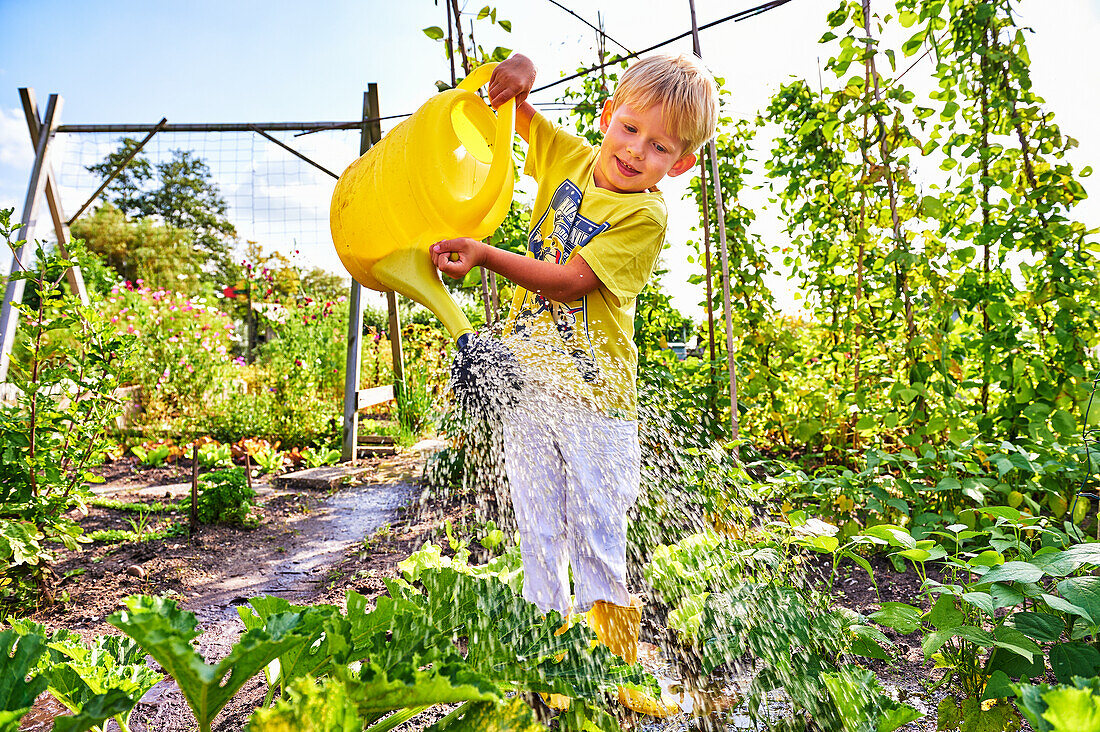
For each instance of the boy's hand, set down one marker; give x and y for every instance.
(456, 257)
(513, 77)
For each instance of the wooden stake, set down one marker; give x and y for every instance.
(194, 517)
(720, 213)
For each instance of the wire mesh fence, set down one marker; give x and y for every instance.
(272, 197)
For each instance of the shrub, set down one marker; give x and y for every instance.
(65, 367)
(185, 343)
(225, 497)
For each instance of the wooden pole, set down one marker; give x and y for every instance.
(194, 514)
(370, 133)
(60, 225)
(710, 279)
(720, 212)
(13, 288)
(121, 166)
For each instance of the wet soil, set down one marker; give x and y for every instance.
(312, 547)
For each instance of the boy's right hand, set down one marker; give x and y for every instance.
(513, 77)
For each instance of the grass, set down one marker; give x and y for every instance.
(134, 506)
(120, 536)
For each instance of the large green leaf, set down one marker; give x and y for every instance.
(95, 711)
(1084, 592)
(897, 615)
(506, 715)
(861, 703)
(1074, 659)
(343, 698)
(1043, 627)
(1072, 710)
(945, 613)
(328, 636)
(166, 633)
(1015, 571)
(19, 656)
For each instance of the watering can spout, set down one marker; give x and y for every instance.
(443, 173)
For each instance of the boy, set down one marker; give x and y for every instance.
(597, 227)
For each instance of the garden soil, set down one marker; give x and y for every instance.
(312, 547)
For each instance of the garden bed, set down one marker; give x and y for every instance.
(223, 566)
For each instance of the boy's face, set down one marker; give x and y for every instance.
(637, 150)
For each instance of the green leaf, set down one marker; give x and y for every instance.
(935, 210)
(1084, 592)
(165, 633)
(1014, 571)
(1005, 512)
(1073, 659)
(945, 613)
(897, 615)
(1072, 710)
(1043, 627)
(19, 656)
(434, 32)
(327, 636)
(988, 558)
(1063, 423)
(981, 600)
(95, 711)
(1016, 642)
(861, 703)
(825, 544)
(998, 686)
(894, 535)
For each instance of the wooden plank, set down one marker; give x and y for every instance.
(373, 396)
(321, 479)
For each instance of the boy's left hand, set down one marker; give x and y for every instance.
(456, 257)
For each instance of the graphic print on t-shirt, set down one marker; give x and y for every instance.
(571, 232)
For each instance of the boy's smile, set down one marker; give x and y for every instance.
(637, 150)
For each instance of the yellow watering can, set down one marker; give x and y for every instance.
(442, 173)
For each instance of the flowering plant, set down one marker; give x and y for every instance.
(186, 343)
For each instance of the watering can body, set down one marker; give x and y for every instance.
(444, 172)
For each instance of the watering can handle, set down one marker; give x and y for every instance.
(506, 122)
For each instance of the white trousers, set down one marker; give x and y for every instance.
(574, 474)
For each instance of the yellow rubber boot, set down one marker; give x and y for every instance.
(618, 628)
(560, 702)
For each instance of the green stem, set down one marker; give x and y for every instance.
(442, 724)
(404, 715)
(270, 695)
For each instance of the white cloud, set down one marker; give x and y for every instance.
(15, 144)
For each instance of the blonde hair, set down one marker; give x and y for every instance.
(685, 90)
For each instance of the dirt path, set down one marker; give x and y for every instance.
(295, 553)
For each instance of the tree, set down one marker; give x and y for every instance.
(140, 249)
(183, 196)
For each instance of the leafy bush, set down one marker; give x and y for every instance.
(225, 497)
(65, 368)
(466, 638)
(263, 414)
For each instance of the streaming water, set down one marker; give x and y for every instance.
(691, 481)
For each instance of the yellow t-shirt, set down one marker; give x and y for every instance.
(584, 350)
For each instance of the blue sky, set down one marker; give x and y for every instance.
(247, 61)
